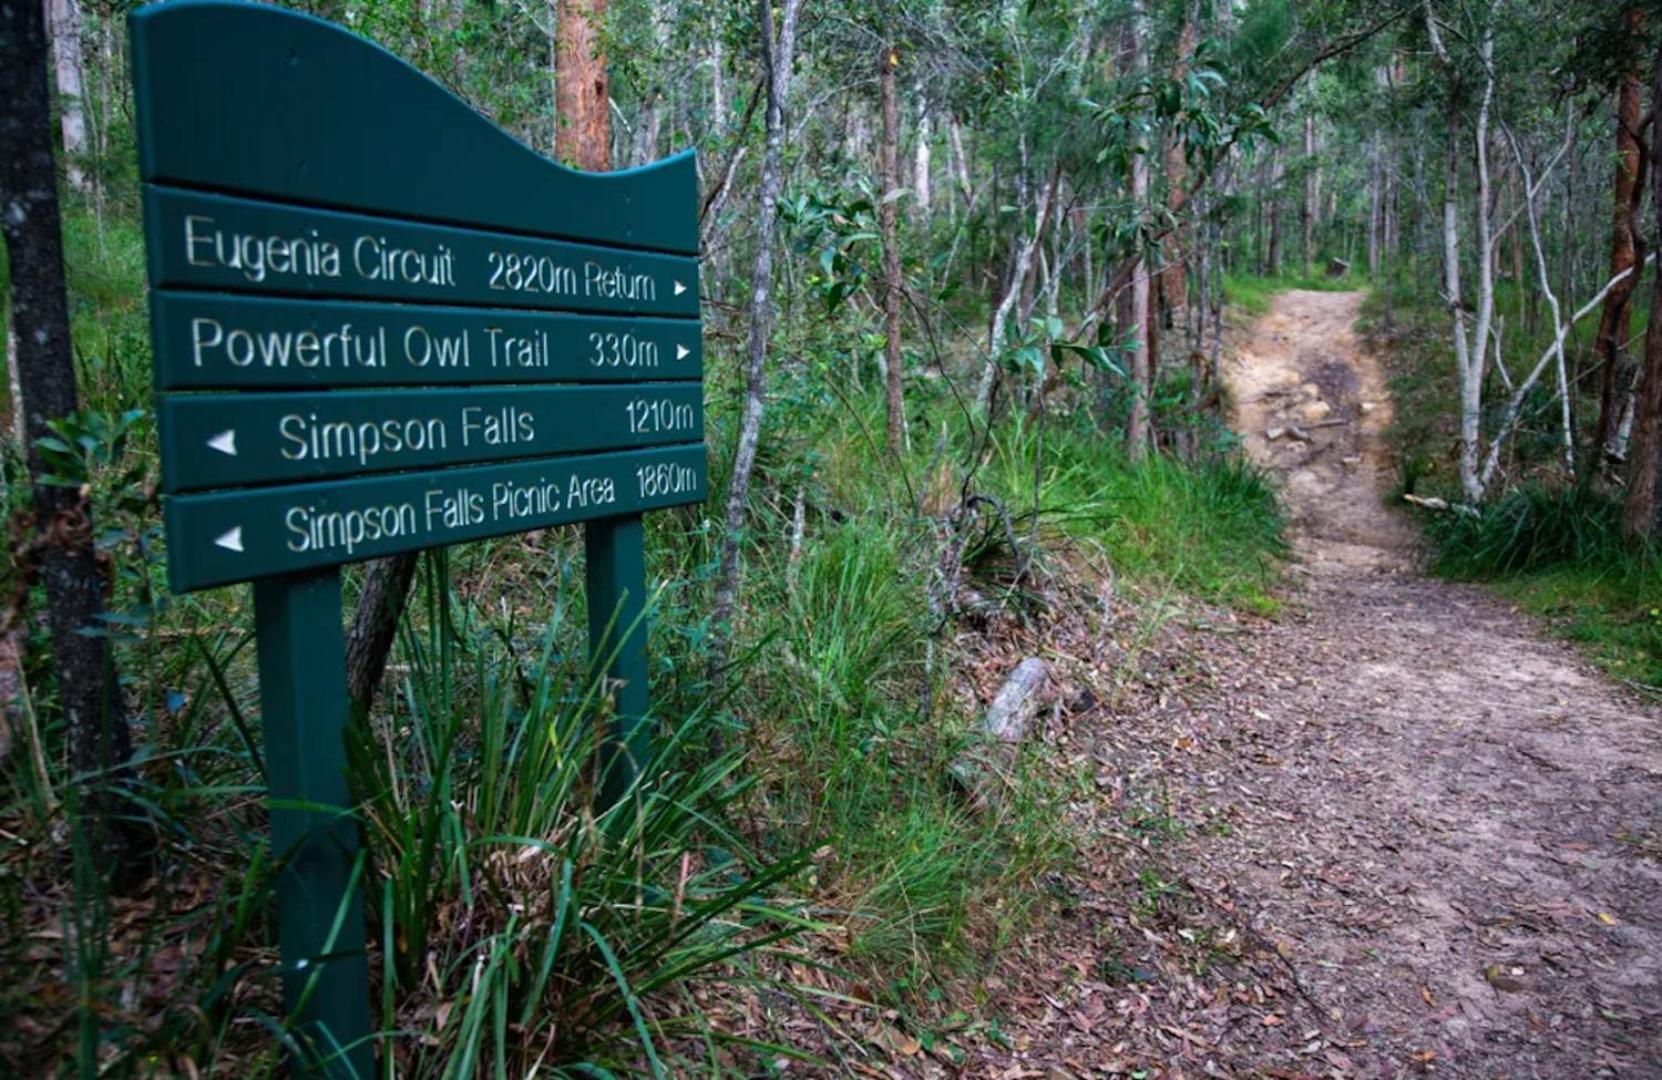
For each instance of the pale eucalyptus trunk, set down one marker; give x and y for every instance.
(778, 53)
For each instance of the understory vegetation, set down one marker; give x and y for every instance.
(1552, 545)
(805, 810)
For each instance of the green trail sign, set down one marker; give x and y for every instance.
(381, 324)
(216, 341)
(230, 440)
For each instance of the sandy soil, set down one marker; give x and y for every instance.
(1397, 831)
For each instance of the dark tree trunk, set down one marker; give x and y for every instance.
(100, 744)
(1641, 517)
(1616, 317)
(375, 625)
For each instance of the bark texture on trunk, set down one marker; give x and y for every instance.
(66, 62)
(583, 135)
(375, 625)
(888, 224)
(778, 53)
(97, 734)
(923, 194)
(1173, 281)
(1615, 320)
(1642, 513)
(1307, 209)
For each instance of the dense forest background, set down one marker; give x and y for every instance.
(969, 270)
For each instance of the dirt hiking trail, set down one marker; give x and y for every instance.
(1395, 832)
(1465, 825)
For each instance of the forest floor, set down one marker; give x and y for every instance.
(1395, 831)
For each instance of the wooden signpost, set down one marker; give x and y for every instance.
(381, 324)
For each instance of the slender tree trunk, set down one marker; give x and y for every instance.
(1272, 249)
(922, 183)
(375, 624)
(1307, 209)
(1642, 512)
(1173, 275)
(1022, 262)
(649, 124)
(66, 56)
(1376, 201)
(888, 224)
(1615, 320)
(583, 136)
(960, 162)
(1137, 422)
(1469, 412)
(99, 742)
(777, 54)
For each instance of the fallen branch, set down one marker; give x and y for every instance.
(1430, 502)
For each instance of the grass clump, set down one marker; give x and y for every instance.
(1559, 552)
(1254, 293)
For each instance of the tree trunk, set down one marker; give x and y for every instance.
(888, 214)
(1172, 276)
(1375, 206)
(922, 185)
(1137, 422)
(649, 124)
(1142, 302)
(1642, 513)
(960, 161)
(66, 57)
(1021, 264)
(778, 61)
(1307, 210)
(583, 132)
(1616, 318)
(99, 742)
(375, 625)
(1272, 249)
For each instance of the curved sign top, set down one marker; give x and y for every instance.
(320, 115)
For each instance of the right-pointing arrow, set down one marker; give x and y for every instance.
(681, 351)
(231, 538)
(679, 288)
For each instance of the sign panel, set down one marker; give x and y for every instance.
(321, 216)
(230, 440)
(216, 341)
(222, 537)
(267, 102)
(202, 241)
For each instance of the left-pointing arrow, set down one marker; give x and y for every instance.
(231, 538)
(225, 442)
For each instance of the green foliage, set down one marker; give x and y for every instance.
(1210, 529)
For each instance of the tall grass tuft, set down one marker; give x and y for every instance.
(1528, 529)
(1559, 552)
(522, 925)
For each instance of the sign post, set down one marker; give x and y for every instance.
(381, 324)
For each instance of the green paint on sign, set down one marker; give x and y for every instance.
(254, 99)
(233, 440)
(219, 538)
(238, 245)
(214, 341)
